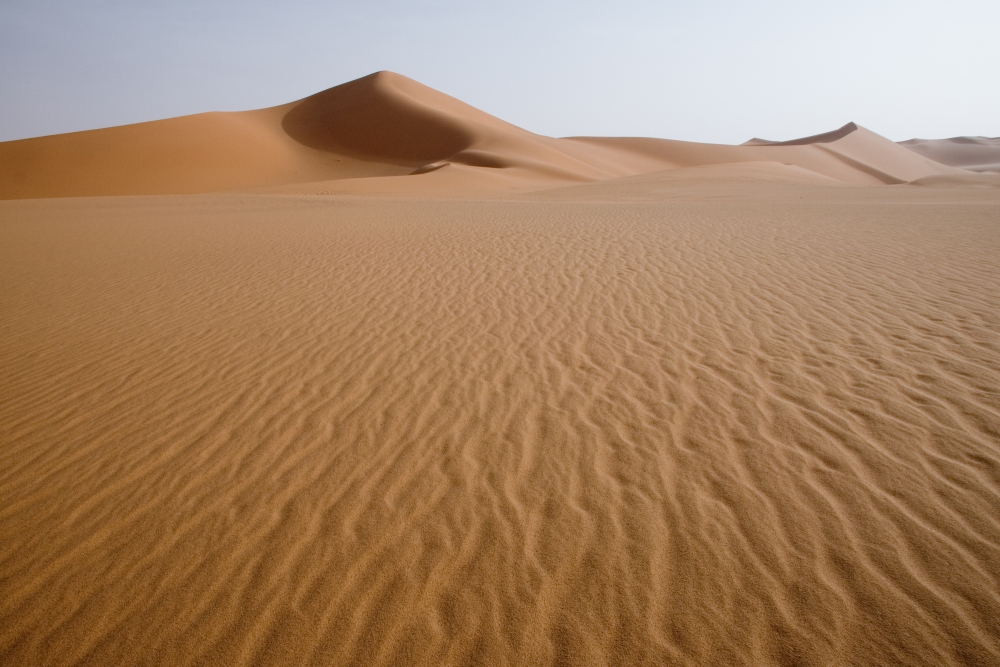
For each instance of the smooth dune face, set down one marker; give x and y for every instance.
(382, 125)
(856, 156)
(981, 154)
(364, 136)
(373, 118)
(672, 183)
(740, 425)
(824, 138)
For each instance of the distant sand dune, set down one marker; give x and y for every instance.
(380, 125)
(858, 157)
(980, 154)
(385, 126)
(824, 138)
(753, 427)
(654, 186)
(977, 180)
(422, 388)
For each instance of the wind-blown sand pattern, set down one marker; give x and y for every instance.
(741, 425)
(416, 386)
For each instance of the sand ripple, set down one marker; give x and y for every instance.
(753, 430)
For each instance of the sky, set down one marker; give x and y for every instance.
(714, 71)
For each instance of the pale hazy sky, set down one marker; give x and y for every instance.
(715, 70)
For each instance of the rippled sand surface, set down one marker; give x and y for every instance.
(736, 426)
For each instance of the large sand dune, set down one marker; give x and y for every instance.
(362, 136)
(482, 397)
(972, 153)
(380, 125)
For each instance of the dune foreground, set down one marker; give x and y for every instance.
(744, 425)
(375, 378)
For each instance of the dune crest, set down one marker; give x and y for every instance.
(980, 154)
(386, 117)
(824, 138)
(853, 156)
(367, 135)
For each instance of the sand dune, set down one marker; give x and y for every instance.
(657, 185)
(495, 399)
(381, 125)
(824, 138)
(363, 136)
(856, 156)
(849, 156)
(980, 154)
(202, 153)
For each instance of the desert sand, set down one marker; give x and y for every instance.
(971, 153)
(386, 134)
(375, 378)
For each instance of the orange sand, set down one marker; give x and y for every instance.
(386, 134)
(543, 402)
(972, 153)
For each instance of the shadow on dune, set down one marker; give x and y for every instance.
(375, 118)
(824, 138)
(387, 125)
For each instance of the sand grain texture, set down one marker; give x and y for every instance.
(745, 425)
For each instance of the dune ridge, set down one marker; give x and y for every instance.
(980, 154)
(824, 138)
(387, 134)
(380, 125)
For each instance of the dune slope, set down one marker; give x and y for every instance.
(824, 138)
(656, 186)
(201, 153)
(851, 155)
(380, 125)
(370, 135)
(980, 154)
